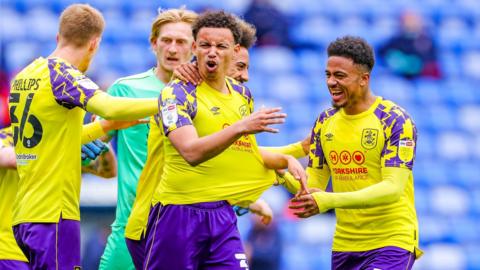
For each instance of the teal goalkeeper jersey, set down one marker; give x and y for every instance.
(132, 142)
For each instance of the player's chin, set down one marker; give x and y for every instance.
(339, 104)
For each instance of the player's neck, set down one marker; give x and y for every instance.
(218, 84)
(74, 56)
(162, 74)
(361, 105)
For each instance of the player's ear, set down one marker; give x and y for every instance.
(236, 49)
(364, 79)
(194, 47)
(153, 43)
(94, 44)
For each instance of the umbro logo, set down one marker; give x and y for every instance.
(215, 110)
(329, 137)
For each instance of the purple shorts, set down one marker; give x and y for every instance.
(13, 264)
(50, 245)
(136, 248)
(392, 258)
(194, 236)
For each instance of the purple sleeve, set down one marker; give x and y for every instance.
(177, 105)
(70, 87)
(400, 145)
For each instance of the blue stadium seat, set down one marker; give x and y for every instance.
(316, 31)
(450, 200)
(465, 229)
(465, 174)
(399, 90)
(273, 60)
(460, 92)
(288, 88)
(472, 249)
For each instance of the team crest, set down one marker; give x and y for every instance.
(169, 112)
(369, 138)
(243, 110)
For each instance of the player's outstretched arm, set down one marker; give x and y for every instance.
(121, 108)
(389, 190)
(298, 150)
(280, 161)
(317, 180)
(98, 129)
(7, 157)
(195, 149)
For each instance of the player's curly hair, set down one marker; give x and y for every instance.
(217, 19)
(355, 48)
(249, 34)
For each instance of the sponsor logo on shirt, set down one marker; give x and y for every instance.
(329, 137)
(169, 112)
(215, 110)
(23, 159)
(333, 157)
(369, 138)
(345, 158)
(243, 110)
(406, 149)
(88, 84)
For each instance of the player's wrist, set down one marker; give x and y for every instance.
(325, 201)
(239, 128)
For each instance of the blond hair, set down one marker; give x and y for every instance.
(79, 23)
(171, 16)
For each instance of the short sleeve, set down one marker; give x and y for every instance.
(71, 88)
(316, 157)
(6, 138)
(177, 105)
(400, 143)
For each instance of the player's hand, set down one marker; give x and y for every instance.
(262, 209)
(304, 205)
(93, 149)
(109, 125)
(187, 72)
(261, 120)
(279, 180)
(296, 169)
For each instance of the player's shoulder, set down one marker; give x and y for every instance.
(388, 111)
(326, 114)
(239, 88)
(60, 65)
(179, 89)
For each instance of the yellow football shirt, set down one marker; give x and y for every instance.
(148, 181)
(354, 149)
(46, 103)
(237, 175)
(9, 249)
